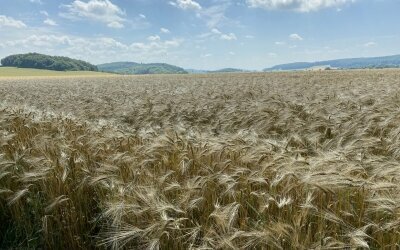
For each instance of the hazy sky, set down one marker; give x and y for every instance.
(202, 34)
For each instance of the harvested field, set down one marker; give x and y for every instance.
(304, 160)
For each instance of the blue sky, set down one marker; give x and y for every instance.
(201, 34)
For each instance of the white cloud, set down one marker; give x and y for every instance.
(295, 37)
(249, 37)
(142, 16)
(50, 22)
(272, 54)
(232, 53)
(228, 37)
(36, 1)
(217, 34)
(186, 4)
(173, 43)
(214, 15)
(40, 41)
(45, 13)
(370, 44)
(216, 31)
(280, 43)
(165, 30)
(6, 21)
(98, 49)
(115, 25)
(97, 10)
(204, 36)
(154, 38)
(153, 48)
(297, 5)
(206, 55)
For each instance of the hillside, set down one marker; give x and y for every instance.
(40, 61)
(140, 68)
(196, 71)
(227, 70)
(350, 63)
(224, 70)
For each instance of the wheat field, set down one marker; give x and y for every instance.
(8, 72)
(301, 160)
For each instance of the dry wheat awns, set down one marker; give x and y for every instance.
(243, 161)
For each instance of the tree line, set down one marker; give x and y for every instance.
(40, 61)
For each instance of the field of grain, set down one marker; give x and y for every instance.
(27, 72)
(304, 160)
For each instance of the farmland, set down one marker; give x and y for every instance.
(300, 160)
(27, 72)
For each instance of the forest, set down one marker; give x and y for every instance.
(40, 61)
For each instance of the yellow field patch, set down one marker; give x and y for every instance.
(22, 72)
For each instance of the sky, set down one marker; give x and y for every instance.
(201, 34)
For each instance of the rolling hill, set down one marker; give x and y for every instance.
(350, 63)
(228, 70)
(40, 61)
(140, 68)
(196, 71)
(224, 70)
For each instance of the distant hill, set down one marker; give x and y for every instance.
(350, 63)
(140, 68)
(196, 71)
(40, 61)
(225, 70)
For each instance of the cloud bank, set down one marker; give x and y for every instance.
(103, 11)
(297, 5)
